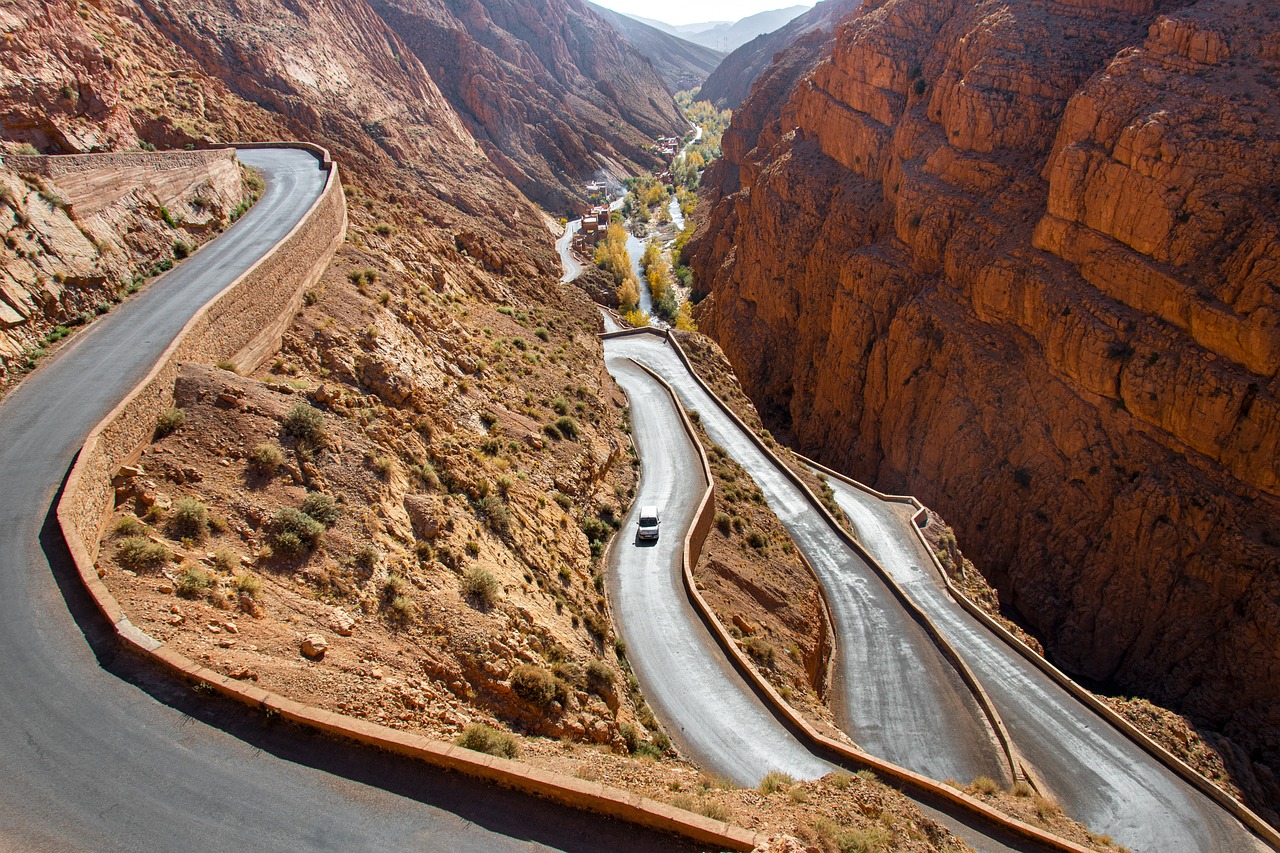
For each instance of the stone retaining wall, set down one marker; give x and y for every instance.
(53, 165)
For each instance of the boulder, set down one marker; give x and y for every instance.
(314, 646)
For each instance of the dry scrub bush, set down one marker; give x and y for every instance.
(775, 780)
(266, 459)
(190, 519)
(194, 582)
(534, 684)
(322, 508)
(482, 738)
(481, 586)
(169, 422)
(295, 532)
(127, 525)
(306, 424)
(138, 553)
(985, 786)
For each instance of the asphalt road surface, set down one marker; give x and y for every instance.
(706, 706)
(99, 752)
(1099, 776)
(894, 693)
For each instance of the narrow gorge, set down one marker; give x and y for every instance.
(1021, 260)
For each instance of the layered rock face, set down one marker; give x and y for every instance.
(730, 83)
(74, 239)
(547, 87)
(1023, 260)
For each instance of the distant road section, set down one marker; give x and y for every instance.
(92, 761)
(1100, 776)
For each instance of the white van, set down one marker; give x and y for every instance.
(648, 523)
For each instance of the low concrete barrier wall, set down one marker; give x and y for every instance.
(243, 323)
(1241, 812)
(839, 753)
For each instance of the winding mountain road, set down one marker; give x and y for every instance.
(709, 713)
(100, 753)
(707, 707)
(1100, 776)
(894, 692)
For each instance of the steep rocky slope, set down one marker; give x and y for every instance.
(550, 90)
(78, 240)
(682, 64)
(1021, 259)
(728, 86)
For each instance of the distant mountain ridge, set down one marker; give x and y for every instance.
(727, 36)
(681, 63)
(728, 86)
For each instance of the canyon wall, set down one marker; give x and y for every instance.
(550, 90)
(1021, 259)
(730, 83)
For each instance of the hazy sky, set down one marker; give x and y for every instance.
(686, 12)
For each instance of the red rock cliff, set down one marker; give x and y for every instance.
(1021, 258)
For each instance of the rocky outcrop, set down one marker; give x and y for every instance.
(80, 231)
(728, 86)
(1023, 260)
(682, 64)
(551, 92)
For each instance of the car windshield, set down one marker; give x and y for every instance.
(648, 521)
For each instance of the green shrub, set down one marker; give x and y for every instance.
(305, 423)
(295, 531)
(534, 684)
(775, 780)
(169, 422)
(127, 525)
(481, 586)
(194, 582)
(560, 406)
(190, 519)
(266, 459)
(567, 427)
(482, 738)
(724, 523)
(322, 508)
(180, 249)
(141, 554)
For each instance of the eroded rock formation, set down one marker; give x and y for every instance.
(551, 92)
(1021, 259)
